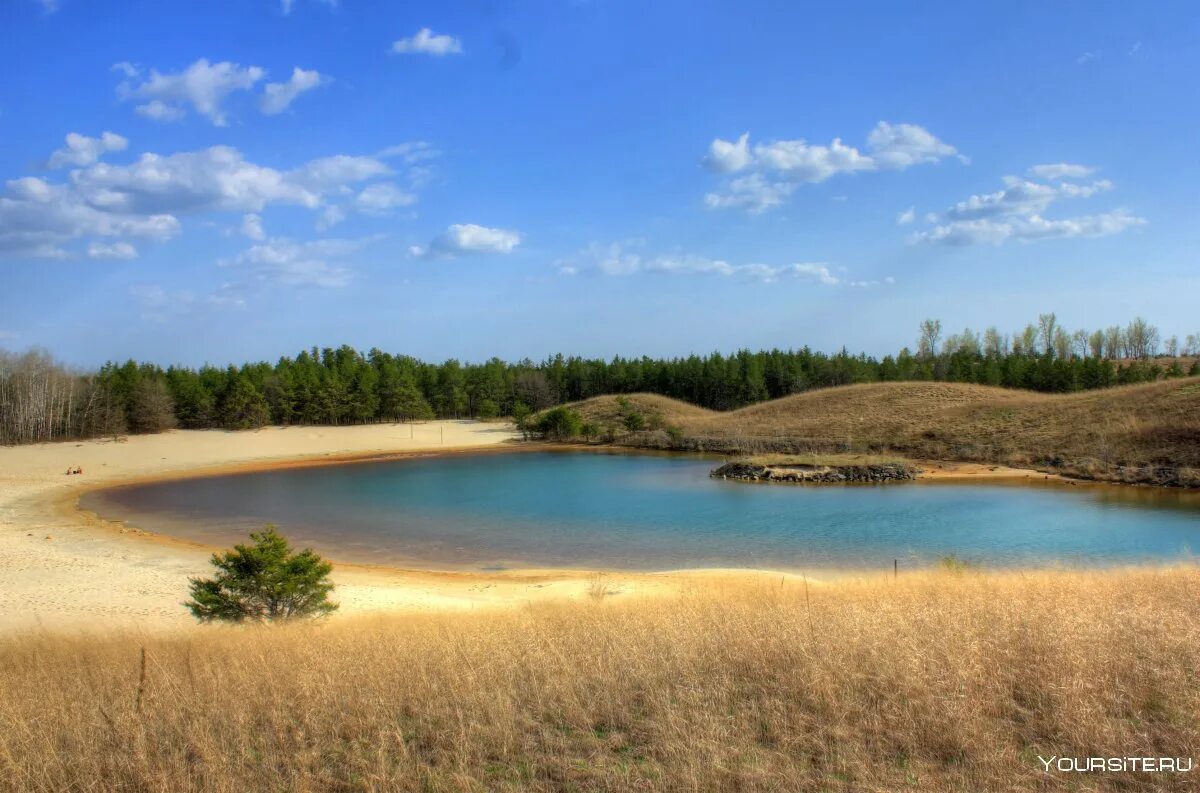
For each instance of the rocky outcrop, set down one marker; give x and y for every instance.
(797, 473)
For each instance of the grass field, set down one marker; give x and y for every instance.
(937, 681)
(1144, 433)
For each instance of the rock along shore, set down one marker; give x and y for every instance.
(817, 474)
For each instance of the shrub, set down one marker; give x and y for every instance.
(263, 582)
(560, 423)
(634, 421)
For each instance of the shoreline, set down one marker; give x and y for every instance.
(67, 568)
(73, 567)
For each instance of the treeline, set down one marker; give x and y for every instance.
(42, 401)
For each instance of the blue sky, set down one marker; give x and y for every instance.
(246, 179)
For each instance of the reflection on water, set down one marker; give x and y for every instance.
(568, 509)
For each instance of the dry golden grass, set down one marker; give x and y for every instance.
(1128, 433)
(940, 681)
(823, 459)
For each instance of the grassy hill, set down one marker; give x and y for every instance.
(937, 681)
(1140, 433)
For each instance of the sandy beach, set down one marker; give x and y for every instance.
(62, 568)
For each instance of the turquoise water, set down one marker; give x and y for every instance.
(577, 509)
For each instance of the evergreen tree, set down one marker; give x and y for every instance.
(263, 582)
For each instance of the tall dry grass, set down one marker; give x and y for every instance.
(939, 681)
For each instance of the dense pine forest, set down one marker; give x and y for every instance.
(41, 400)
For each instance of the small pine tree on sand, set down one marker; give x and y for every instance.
(263, 582)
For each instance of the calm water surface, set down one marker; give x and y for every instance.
(568, 509)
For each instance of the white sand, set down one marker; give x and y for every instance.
(63, 569)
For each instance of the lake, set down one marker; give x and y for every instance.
(655, 512)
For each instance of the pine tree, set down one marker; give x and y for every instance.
(263, 582)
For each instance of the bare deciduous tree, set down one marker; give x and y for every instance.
(931, 333)
(1047, 324)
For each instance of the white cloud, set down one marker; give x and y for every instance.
(1022, 197)
(286, 262)
(900, 146)
(37, 217)
(277, 96)
(410, 153)
(777, 167)
(252, 227)
(1061, 170)
(330, 217)
(328, 173)
(286, 5)
(726, 157)
(126, 68)
(1088, 57)
(381, 198)
(1016, 213)
(49, 6)
(752, 192)
(799, 161)
(203, 85)
(157, 110)
(468, 238)
(218, 178)
(427, 42)
(906, 217)
(82, 150)
(616, 259)
(142, 199)
(115, 250)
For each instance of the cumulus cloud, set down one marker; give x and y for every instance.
(771, 171)
(616, 259)
(82, 150)
(425, 41)
(37, 217)
(277, 96)
(468, 238)
(1016, 212)
(115, 250)
(906, 217)
(217, 178)
(204, 86)
(144, 199)
(728, 156)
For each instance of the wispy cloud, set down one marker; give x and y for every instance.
(623, 259)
